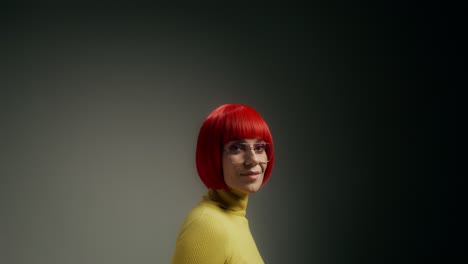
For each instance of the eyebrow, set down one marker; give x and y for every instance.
(258, 140)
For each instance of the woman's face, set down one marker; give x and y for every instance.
(244, 163)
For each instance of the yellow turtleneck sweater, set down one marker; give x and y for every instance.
(217, 231)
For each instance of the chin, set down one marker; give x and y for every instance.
(246, 188)
(252, 189)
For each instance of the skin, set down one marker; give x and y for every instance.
(245, 177)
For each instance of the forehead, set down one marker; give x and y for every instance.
(246, 140)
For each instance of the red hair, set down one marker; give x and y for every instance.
(226, 123)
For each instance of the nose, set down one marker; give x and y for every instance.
(251, 158)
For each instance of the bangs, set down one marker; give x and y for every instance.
(245, 124)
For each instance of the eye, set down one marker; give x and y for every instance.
(260, 147)
(235, 148)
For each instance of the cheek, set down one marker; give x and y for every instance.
(229, 169)
(225, 164)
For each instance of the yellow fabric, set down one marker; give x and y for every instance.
(217, 231)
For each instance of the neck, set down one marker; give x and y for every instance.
(230, 200)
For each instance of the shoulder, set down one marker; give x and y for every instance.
(206, 218)
(203, 237)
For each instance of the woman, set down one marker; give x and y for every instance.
(234, 158)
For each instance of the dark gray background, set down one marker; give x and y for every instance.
(101, 106)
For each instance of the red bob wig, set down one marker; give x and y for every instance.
(226, 123)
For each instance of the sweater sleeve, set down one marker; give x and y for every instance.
(201, 241)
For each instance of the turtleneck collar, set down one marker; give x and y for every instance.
(233, 202)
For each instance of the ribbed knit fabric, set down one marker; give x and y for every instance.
(217, 231)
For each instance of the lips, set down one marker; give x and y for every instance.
(250, 173)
